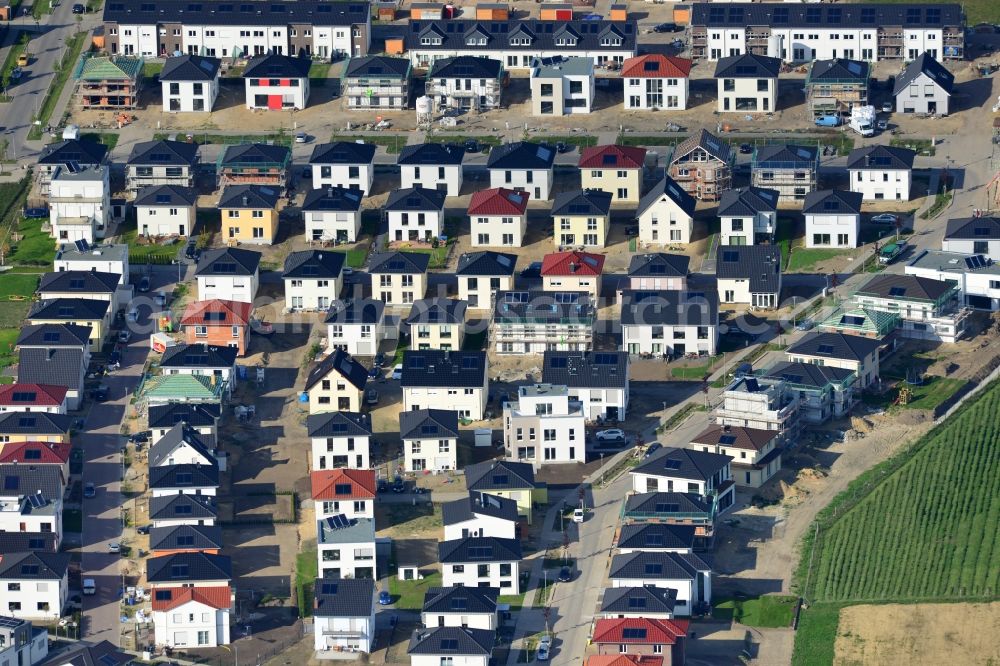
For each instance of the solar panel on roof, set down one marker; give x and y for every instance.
(727, 439)
(82, 245)
(897, 291)
(470, 363)
(653, 568)
(37, 500)
(449, 644)
(328, 588)
(667, 508)
(730, 255)
(752, 384)
(605, 359)
(824, 349)
(637, 602)
(671, 463)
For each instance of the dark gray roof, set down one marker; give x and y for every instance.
(80, 151)
(199, 356)
(670, 308)
(748, 201)
(54, 335)
(839, 69)
(879, 158)
(586, 369)
(249, 196)
(223, 13)
(188, 567)
(355, 311)
(760, 264)
(378, 66)
(479, 549)
(482, 504)
(486, 263)
(398, 262)
(747, 66)
(832, 202)
(499, 475)
(684, 464)
(582, 202)
(555, 307)
(415, 199)
(38, 542)
(657, 565)
(835, 345)
(541, 35)
(741, 15)
(195, 415)
(193, 537)
(905, 287)
(637, 600)
(807, 374)
(452, 641)
(34, 423)
(333, 198)
(69, 309)
(59, 366)
(466, 67)
(668, 188)
(182, 507)
(229, 261)
(708, 142)
(190, 68)
(33, 565)
(343, 597)
(437, 311)
(432, 154)
(461, 600)
(664, 504)
(162, 152)
(22, 479)
(166, 195)
(339, 424)
(986, 227)
(785, 156)
(522, 155)
(434, 367)
(314, 264)
(82, 654)
(243, 154)
(273, 65)
(751, 439)
(925, 64)
(343, 152)
(659, 264)
(178, 434)
(428, 424)
(168, 477)
(656, 536)
(342, 363)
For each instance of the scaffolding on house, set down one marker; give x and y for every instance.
(248, 167)
(108, 82)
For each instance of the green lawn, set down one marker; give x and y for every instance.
(63, 71)
(439, 255)
(72, 520)
(491, 141)
(355, 258)
(319, 73)
(393, 143)
(36, 248)
(306, 572)
(804, 259)
(693, 371)
(634, 140)
(766, 611)
(816, 635)
(109, 139)
(142, 252)
(18, 284)
(409, 594)
(411, 518)
(941, 201)
(578, 140)
(201, 138)
(8, 336)
(11, 62)
(151, 69)
(12, 313)
(515, 601)
(921, 146)
(934, 391)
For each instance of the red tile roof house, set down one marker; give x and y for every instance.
(38, 453)
(615, 169)
(33, 398)
(498, 217)
(218, 322)
(350, 492)
(656, 81)
(624, 660)
(573, 271)
(642, 636)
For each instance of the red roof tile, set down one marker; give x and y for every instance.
(572, 263)
(662, 67)
(498, 201)
(216, 597)
(38, 453)
(45, 395)
(624, 660)
(613, 157)
(226, 313)
(325, 482)
(657, 632)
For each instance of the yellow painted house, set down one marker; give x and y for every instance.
(77, 311)
(614, 169)
(33, 427)
(249, 214)
(581, 218)
(336, 384)
(504, 478)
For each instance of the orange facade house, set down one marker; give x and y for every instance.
(218, 322)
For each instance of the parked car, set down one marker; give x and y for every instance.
(16, 74)
(374, 372)
(124, 336)
(89, 587)
(884, 218)
(579, 515)
(101, 393)
(565, 574)
(301, 137)
(827, 121)
(533, 270)
(882, 125)
(114, 547)
(379, 360)
(371, 397)
(144, 284)
(745, 149)
(79, 9)
(563, 147)
(397, 371)
(653, 448)
(887, 107)
(142, 529)
(384, 598)
(610, 435)
(89, 490)
(544, 646)
(473, 146)
(140, 437)
(667, 27)
(804, 325)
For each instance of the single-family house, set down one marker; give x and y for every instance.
(34, 585)
(340, 439)
(346, 492)
(835, 86)
(523, 165)
(481, 562)
(687, 471)
(312, 279)
(480, 515)
(436, 645)
(654, 82)
(161, 162)
(104, 653)
(34, 427)
(598, 380)
(200, 359)
(639, 602)
(833, 218)
(755, 453)
(32, 497)
(506, 478)
(531, 322)
(615, 169)
(110, 258)
(45, 336)
(545, 426)
(355, 325)
(346, 547)
(219, 323)
(668, 202)
(702, 165)
(332, 213)
(672, 322)
(343, 615)
(437, 379)
(638, 639)
(471, 607)
(185, 539)
(573, 271)
(344, 164)
(881, 172)
(168, 480)
(430, 439)
(86, 312)
(824, 392)
(748, 216)
(482, 274)
(165, 210)
(255, 164)
(434, 166)
(763, 403)
(249, 214)
(377, 82)
(79, 203)
(749, 274)
(415, 214)
(182, 445)
(55, 156)
(581, 217)
(190, 83)
(850, 352)
(561, 86)
(790, 169)
(437, 323)
(29, 397)
(94, 285)
(336, 383)
(657, 271)
(203, 418)
(747, 83)
(35, 542)
(465, 82)
(175, 510)
(655, 537)
(927, 309)
(402, 276)
(925, 86)
(108, 83)
(64, 367)
(228, 273)
(498, 217)
(687, 573)
(675, 508)
(277, 82)
(192, 600)
(973, 235)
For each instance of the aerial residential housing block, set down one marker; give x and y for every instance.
(881, 172)
(599, 380)
(747, 83)
(340, 439)
(436, 166)
(343, 164)
(615, 169)
(523, 166)
(465, 82)
(482, 274)
(534, 321)
(435, 379)
(277, 82)
(670, 322)
(833, 218)
(332, 213)
(834, 86)
(356, 325)
(190, 83)
(748, 216)
(161, 162)
(377, 82)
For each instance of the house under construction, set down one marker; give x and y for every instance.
(254, 164)
(465, 82)
(109, 82)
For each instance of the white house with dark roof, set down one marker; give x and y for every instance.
(435, 646)
(332, 213)
(598, 380)
(346, 547)
(748, 216)
(277, 82)
(925, 86)
(545, 426)
(161, 162)
(480, 515)
(790, 169)
(833, 218)
(881, 172)
(34, 586)
(505, 478)
(343, 615)
(481, 562)
(88, 285)
(687, 471)
(472, 607)
(925, 308)
(312, 279)
(764, 403)
(181, 445)
(973, 235)
(64, 367)
(336, 383)
(465, 82)
(168, 480)
(749, 274)
(531, 322)
(666, 215)
(355, 325)
(79, 203)
(199, 359)
(755, 453)
(192, 600)
(747, 83)
(31, 500)
(190, 83)
(203, 418)
(523, 166)
(655, 537)
(231, 274)
(343, 164)
(639, 602)
(482, 274)
(850, 352)
(824, 392)
(165, 210)
(437, 323)
(670, 322)
(455, 380)
(435, 166)
(498, 217)
(377, 82)
(686, 573)
(415, 214)
(398, 278)
(339, 439)
(110, 258)
(430, 439)
(56, 156)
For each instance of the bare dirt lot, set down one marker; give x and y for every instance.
(918, 634)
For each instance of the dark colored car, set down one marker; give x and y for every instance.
(143, 529)
(473, 146)
(667, 27)
(384, 598)
(565, 575)
(746, 148)
(379, 360)
(398, 485)
(190, 250)
(533, 270)
(79, 9)
(563, 147)
(140, 437)
(144, 284)
(101, 393)
(374, 372)
(653, 448)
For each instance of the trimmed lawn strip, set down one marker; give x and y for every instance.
(319, 73)
(578, 140)
(8, 336)
(306, 572)
(18, 284)
(201, 138)
(12, 313)
(920, 146)
(11, 62)
(62, 73)
(767, 611)
(36, 248)
(109, 139)
(355, 258)
(803, 259)
(149, 252)
(816, 635)
(460, 139)
(409, 594)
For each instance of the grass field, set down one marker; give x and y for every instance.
(8, 336)
(35, 248)
(139, 252)
(460, 139)
(578, 140)
(306, 572)
(151, 69)
(355, 258)
(409, 594)
(921, 146)
(934, 391)
(11, 62)
(804, 259)
(766, 611)
(17, 284)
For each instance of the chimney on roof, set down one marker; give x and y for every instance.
(246, 200)
(726, 428)
(329, 192)
(572, 267)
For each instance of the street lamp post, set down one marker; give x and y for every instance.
(602, 468)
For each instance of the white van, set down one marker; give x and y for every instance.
(89, 587)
